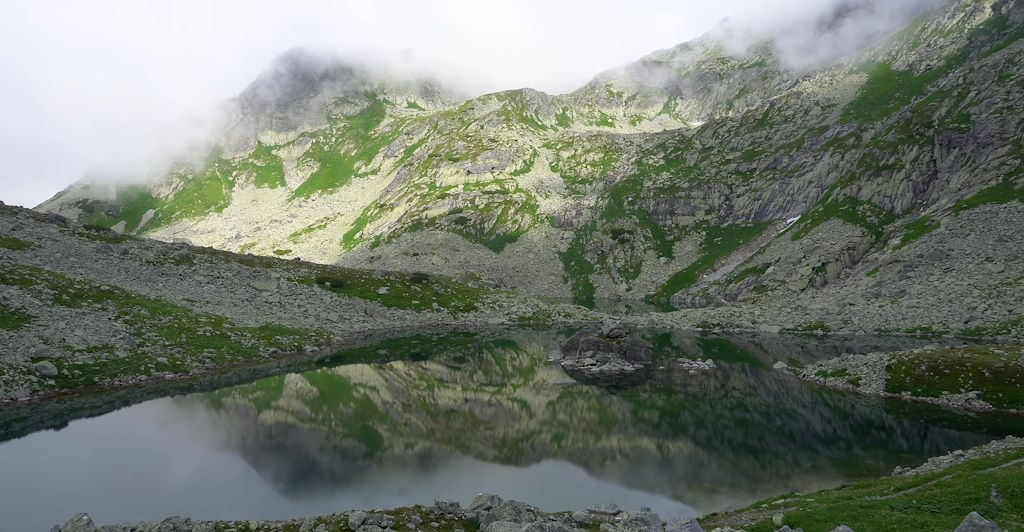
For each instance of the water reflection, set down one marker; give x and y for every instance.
(470, 414)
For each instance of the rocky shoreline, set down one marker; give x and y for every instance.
(875, 374)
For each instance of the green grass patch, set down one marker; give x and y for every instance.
(282, 252)
(12, 243)
(719, 242)
(413, 291)
(851, 210)
(162, 329)
(935, 501)
(348, 145)
(917, 229)
(998, 194)
(578, 270)
(996, 372)
(13, 319)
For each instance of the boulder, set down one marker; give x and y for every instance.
(78, 523)
(680, 524)
(974, 522)
(355, 519)
(46, 369)
(640, 522)
(591, 357)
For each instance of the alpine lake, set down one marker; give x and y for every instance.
(414, 419)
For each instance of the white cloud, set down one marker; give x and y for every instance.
(111, 86)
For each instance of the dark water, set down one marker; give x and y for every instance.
(466, 414)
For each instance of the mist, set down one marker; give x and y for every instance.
(113, 88)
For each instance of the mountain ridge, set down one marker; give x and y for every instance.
(622, 193)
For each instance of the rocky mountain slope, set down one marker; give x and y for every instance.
(886, 182)
(85, 308)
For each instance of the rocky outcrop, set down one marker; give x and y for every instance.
(607, 357)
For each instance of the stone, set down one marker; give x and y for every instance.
(996, 267)
(605, 509)
(79, 523)
(680, 524)
(778, 519)
(510, 511)
(641, 522)
(355, 519)
(45, 368)
(379, 519)
(780, 366)
(382, 291)
(842, 528)
(265, 285)
(502, 526)
(447, 507)
(484, 502)
(974, 522)
(613, 329)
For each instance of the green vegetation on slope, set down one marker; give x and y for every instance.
(350, 142)
(917, 229)
(13, 319)
(933, 501)
(414, 291)
(719, 242)
(182, 337)
(998, 194)
(13, 243)
(995, 372)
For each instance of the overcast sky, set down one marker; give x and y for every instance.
(112, 86)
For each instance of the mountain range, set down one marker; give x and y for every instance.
(881, 189)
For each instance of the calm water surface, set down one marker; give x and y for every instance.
(463, 415)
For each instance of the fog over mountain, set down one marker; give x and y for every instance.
(115, 88)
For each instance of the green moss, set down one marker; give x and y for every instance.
(578, 269)
(204, 192)
(345, 148)
(718, 242)
(282, 252)
(266, 167)
(131, 203)
(851, 210)
(916, 230)
(12, 243)
(185, 337)
(415, 291)
(13, 319)
(996, 372)
(886, 91)
(318, 225)
(935, 501)
(997, 194)
(562, 118)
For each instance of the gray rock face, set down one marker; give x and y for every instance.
(974, 522)
(79, 523)
(355, 519)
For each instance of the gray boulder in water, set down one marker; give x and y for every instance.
(607, 357)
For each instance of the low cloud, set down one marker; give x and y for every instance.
(113, 87)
